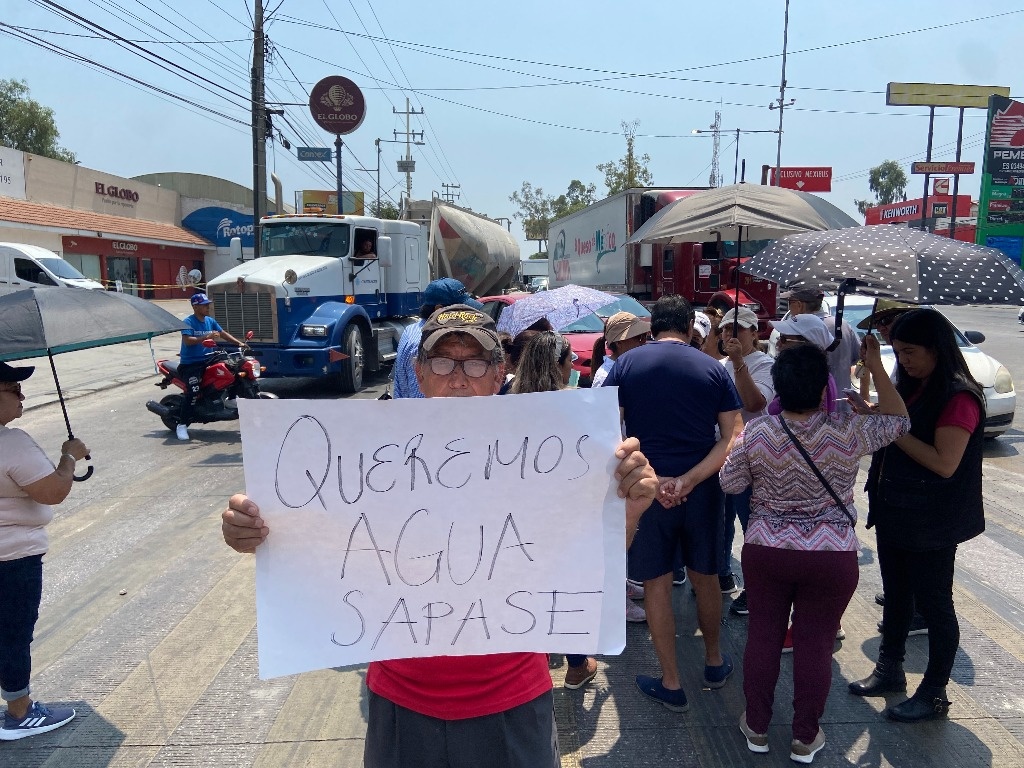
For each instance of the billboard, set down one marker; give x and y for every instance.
(806, 179)
(910, 210)
(1001, 205)
(326, 201)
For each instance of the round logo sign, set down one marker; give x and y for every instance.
(337, 104)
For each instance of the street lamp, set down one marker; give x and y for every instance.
(737, 131)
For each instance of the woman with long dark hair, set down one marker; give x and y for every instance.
(924, 494)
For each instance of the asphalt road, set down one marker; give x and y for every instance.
(147, 623)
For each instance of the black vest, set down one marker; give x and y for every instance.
(954, 511)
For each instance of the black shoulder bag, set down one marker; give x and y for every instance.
(817, 472)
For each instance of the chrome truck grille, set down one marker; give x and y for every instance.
(239, 313)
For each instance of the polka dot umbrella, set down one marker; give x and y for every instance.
(892, 261)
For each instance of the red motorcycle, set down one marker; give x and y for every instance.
(230, 375)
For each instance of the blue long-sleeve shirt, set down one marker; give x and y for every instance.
(405, 384)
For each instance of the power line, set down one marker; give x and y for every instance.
(138, 50)
(53, 48)
(664, 74)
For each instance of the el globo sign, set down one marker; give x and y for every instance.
(337, 104)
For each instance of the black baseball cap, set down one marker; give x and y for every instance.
(8, 373)
(459, 318)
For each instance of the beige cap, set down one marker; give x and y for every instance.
(624, 325)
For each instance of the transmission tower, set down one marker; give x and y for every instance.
(715, 179)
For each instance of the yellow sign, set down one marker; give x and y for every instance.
(325, 201)
(941, 95)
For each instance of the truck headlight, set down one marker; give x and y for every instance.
(1004, 381)
(315, 331)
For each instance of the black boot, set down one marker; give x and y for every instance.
(887, 676)
(929, 702)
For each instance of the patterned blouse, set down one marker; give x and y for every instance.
(790, 509)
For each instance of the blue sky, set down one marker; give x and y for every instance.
(501, 86)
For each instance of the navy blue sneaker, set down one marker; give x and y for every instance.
(652, 688)
(38, 719)
(715, 677)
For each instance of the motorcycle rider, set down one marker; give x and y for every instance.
(195, 357)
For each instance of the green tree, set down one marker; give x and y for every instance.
(534, 209)
(888, 182)
(387, 210)
(539, 255)
(27, 125)
(630, 171)
(577, 197)
(538, 210)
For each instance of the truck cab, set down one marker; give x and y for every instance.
(329, 295)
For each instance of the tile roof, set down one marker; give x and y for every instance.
(41, 214)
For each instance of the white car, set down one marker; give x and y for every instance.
(1000, 398)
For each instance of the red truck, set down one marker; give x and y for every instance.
(588, 248)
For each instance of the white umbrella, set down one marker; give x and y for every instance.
(561, 306)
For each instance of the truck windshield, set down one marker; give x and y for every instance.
(61, 268)
(313, 238)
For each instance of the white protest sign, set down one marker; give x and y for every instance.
(446, 526)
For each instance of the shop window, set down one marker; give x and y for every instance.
(668, 258)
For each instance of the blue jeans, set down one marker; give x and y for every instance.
(736, 505)
(21, 589)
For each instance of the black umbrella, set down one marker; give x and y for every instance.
(891, 261)
(47, 321)
(895, 262)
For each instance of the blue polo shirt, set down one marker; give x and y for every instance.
(672, 395)
(197, 353)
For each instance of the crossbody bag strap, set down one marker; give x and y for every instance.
(817, 472)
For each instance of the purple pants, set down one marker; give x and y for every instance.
(818, 587)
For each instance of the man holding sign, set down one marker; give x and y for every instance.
(461, 710)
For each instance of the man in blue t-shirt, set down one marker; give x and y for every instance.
(195, 357)
(672, 397)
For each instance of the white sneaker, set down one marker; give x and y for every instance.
(634, 590)
(634, 613)
(181, 432)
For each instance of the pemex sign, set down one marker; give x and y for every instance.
(337, 105)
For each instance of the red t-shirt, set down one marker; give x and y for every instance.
(460, 687)
(962, 411)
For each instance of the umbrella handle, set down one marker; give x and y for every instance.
(88, 472)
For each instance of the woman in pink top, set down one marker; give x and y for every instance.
(29, 483)
(800, 549)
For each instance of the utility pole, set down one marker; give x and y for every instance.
(448, 192)
(408, 166)
(377, 171)
(259, 136)
(259, 132)
(782, 104)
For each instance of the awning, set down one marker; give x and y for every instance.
(70, 221)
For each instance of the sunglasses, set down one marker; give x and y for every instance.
(474, 368)
(785, 339)
(884, 322)
(15, 388)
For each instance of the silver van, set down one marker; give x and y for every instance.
(30, 265)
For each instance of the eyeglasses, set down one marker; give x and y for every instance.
(884, 322)
(474, 368)
(16, 389)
